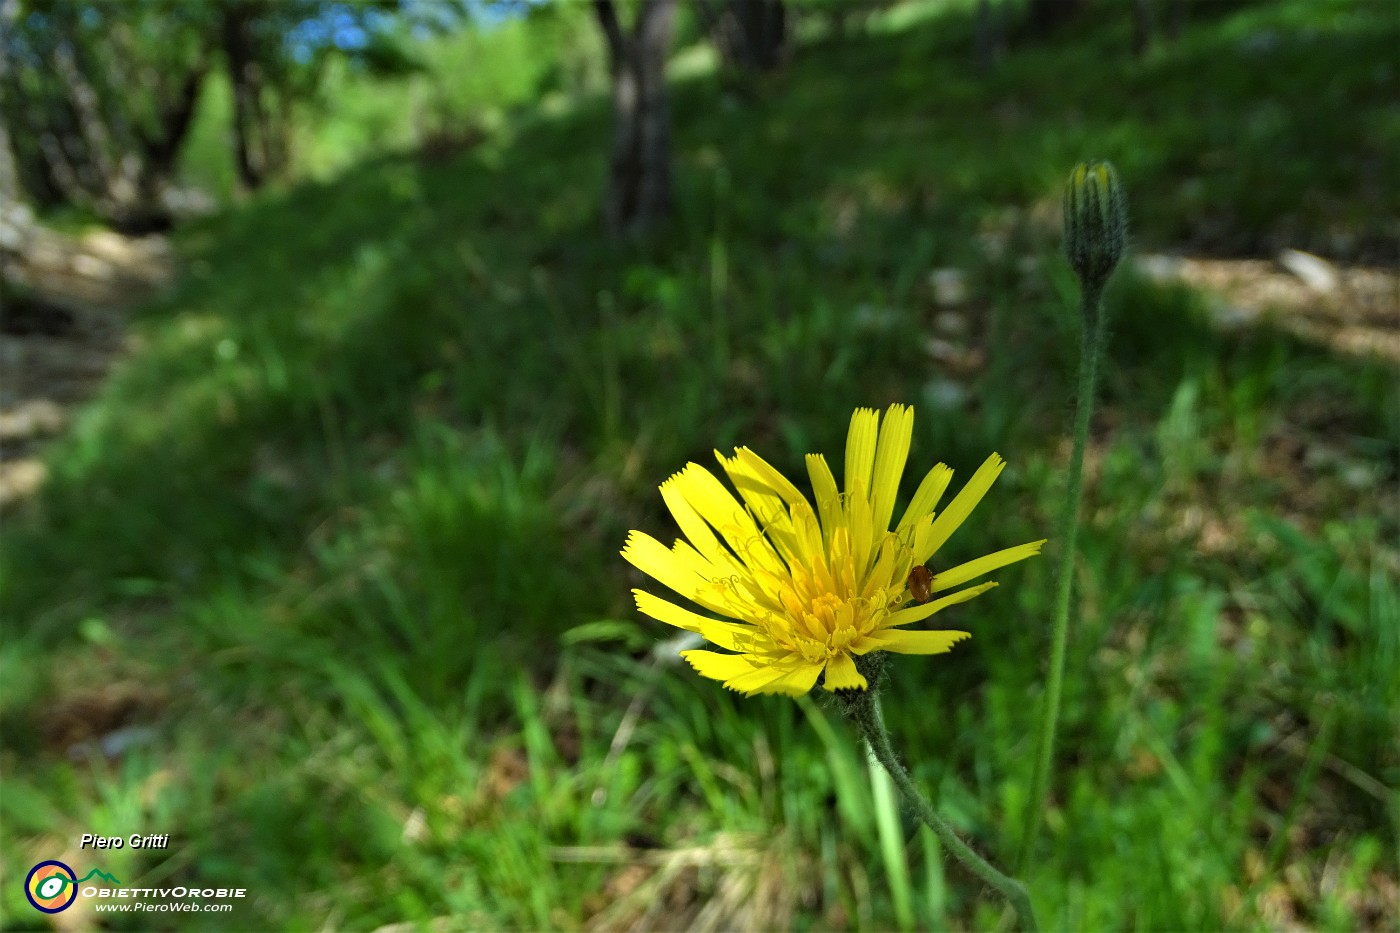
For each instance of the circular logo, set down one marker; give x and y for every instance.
(51, 886)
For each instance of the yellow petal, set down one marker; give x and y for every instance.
(796, 682)
(882, 569)
(670, 613)
(807, 537)
(696, 562)
(918, 613)
(841, 674)
(895, 435)
(827, 494)
(765, 504)
(653, 558)
(764, 678)
(954, 576)
(961, 507)
(729, 635)
(769, 475)
(694, 527)
(906, 642)
(862, 528)
(861, 441)
(926, 497)
(717, 505)
(718, 666)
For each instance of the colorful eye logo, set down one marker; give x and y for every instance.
(51, 886)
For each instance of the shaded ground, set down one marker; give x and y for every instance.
(1353, 310)
(58, 342)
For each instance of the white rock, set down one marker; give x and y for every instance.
(1159, 267)
(1315, 272)
(950, 322)
(92, 267)
(945, 394)
(949, 286)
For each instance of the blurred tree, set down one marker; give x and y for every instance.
(991, 34)
(1177, 20)
(842, 17)
(259, 137)
(1148, 26)
(1144, 25)
(16, 217)
(1046, 15)
(752, 35)
(276, 52)
(99, 100)
(101, 97)
(639, 194)
(9, 168)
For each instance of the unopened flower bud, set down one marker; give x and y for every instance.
(1096, 222)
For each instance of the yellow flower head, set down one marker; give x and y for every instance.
(803, 590)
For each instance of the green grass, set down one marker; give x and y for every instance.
(344, 528)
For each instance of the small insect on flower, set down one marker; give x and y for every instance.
(920, 583)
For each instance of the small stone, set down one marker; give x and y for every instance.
(1314, 271)
(92, 267)
(950, 322)
(31, 418)
(949, 286)
(1159, 267)
(945, 394)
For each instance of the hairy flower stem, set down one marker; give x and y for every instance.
(1091, 347)
(865, 709)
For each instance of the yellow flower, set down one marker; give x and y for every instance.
(804, 591)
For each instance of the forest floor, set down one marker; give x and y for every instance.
(56, 348)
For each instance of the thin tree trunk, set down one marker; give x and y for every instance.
(160, 150)
(639, 193)
(117, 188)
(1144, 26)
(751, 35)
(1177, 22)
(1047, 15)
(246, 109)
(991, 37)
(9, 165)
(174, 120)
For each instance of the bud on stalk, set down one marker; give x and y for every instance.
(1096, 223)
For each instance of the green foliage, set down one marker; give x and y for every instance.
(465, 85)
(346, 525)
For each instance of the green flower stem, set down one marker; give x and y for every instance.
(865, 709)
(1091, 345)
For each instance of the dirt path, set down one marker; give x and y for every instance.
(1353, 310)
(56, 350)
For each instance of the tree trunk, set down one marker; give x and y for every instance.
(1144, 26)
(991, 35)
(751, 35)
(1047, 15)
(174, 119)
(16, 217)
(640, 194)
(1177, 22)
(242, 74)
(9, 165)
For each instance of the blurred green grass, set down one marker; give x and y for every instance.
(346, 524)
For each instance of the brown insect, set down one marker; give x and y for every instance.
(920, 583)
